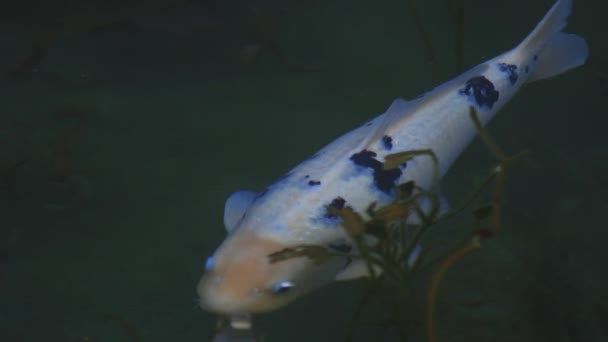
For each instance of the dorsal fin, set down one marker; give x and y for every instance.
(401, 108)
(235, 207)
(397, 108)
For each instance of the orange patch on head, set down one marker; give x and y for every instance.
(242, 275)
(248, 264)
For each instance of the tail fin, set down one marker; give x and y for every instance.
(557, 51)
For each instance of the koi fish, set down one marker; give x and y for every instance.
(349, 172)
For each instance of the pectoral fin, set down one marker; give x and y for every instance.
(236, 206)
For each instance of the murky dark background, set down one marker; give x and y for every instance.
(124, 125)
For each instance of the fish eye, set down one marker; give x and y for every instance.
(209, 263)
(282, 287)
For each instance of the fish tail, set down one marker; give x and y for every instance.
(554, 51)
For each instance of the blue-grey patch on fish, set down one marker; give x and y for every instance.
(510, 69)
(241, 279)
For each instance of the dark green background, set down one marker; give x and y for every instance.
(176, 124)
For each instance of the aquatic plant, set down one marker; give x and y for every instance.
(456, 9)
(129, 329)
(426, 40)
(265, 28)
(391, 245)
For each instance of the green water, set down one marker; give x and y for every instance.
(164, 126)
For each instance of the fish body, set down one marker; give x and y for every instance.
(348, 173)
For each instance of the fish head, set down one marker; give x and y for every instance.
(240, 279)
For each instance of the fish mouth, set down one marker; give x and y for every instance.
(211, 297)
(215, 296)
(240, 277)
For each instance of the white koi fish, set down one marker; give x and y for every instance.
(348, 173)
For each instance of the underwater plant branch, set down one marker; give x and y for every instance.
(366, 296)
(498, 174)
(373, 289)
(355, 228)
(318, 254)
(457, 9)
(412, 203)
(427, 221)
(393, 241)
(501, 171)
(472, 197)
(382, 254)
(431, 55)
(485, 136)
(372, 259)
(396, 159)
(471, 245)
(498, 153)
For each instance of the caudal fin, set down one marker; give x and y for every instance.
(556, 51)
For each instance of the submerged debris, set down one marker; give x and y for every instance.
(237, 329)
(129, 329)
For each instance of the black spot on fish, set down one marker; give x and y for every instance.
(314, 183)
(340, 247)
(535, 57)
(306, 176)
(482, 90)
(527, 69)
(511, 70)
(365, 158)
(383, 179)
(337, 203)
(387, 142)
